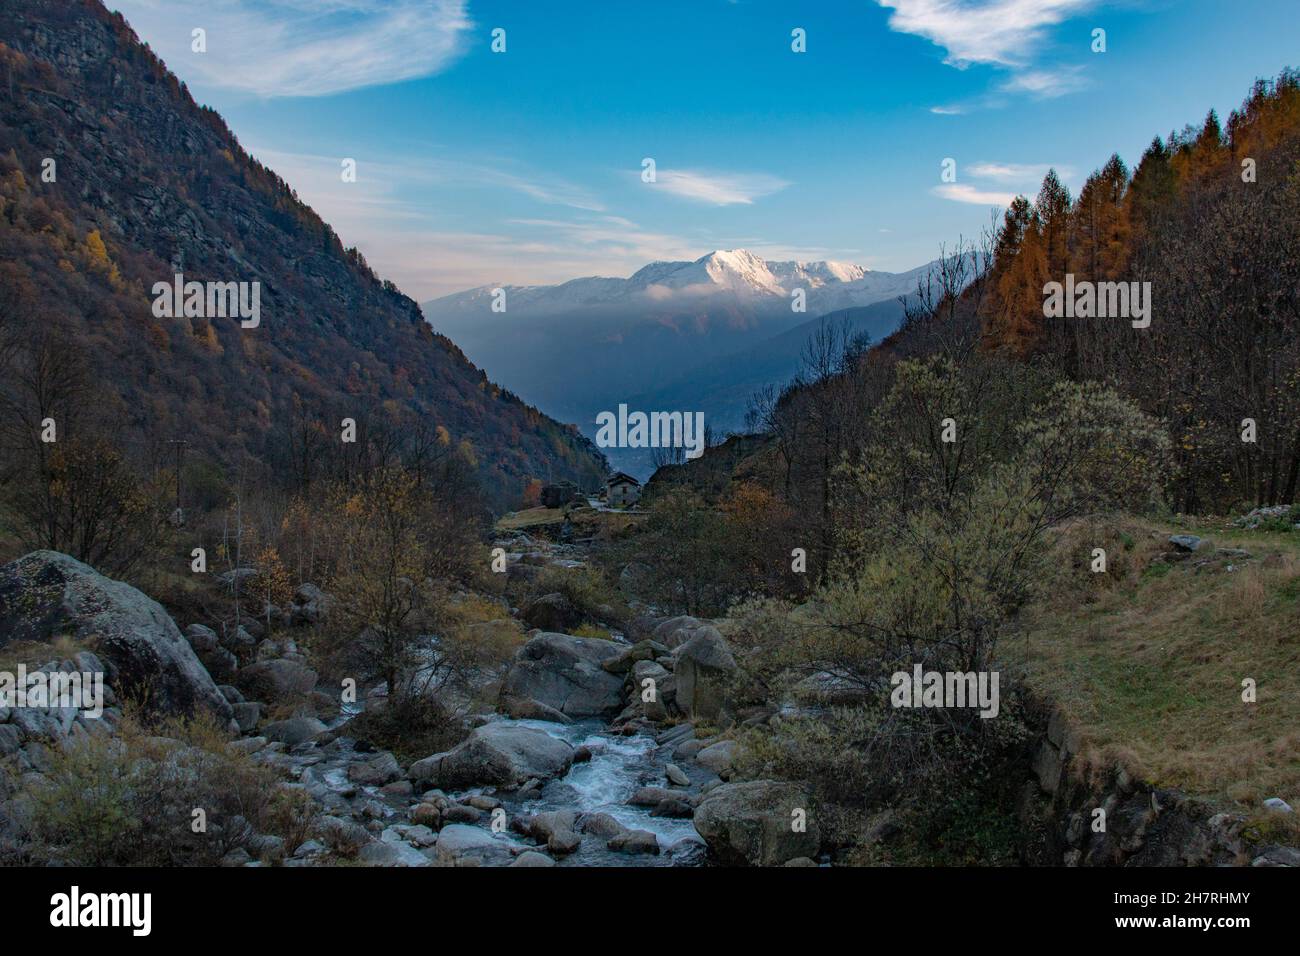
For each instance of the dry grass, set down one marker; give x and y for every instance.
(36, 653)
(529, 518)
(1150, 657)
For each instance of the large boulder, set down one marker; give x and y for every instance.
(565, 673)
(755, 823)
(497, 754)
(46, 594)
(276, 680)
(462, 845)
(676, 631)
(704, 672)
(310, 605)
(553, 612)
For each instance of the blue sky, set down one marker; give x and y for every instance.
(475, 167)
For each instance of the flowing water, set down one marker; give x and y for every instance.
(619, 766)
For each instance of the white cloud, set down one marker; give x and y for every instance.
(948, 110)
(1046, 84)
(964, 193)
(301, 47)
(1000, 32)
(719, 189)
(1016, 172)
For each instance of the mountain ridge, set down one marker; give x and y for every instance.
(828, 285)
(150, 184)
(585, 346)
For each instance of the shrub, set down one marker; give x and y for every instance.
(131, 799)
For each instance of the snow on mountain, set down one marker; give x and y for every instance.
(738, 272)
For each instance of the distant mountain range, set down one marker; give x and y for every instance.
(674, 336)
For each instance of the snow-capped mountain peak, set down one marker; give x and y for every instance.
(737, 274)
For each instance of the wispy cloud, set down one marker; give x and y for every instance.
(1000, 32)
(719, 189)
(1046, 84)
(378, 178)
(395, 215)
(275, 48)
(972, 195)
(1016, 172)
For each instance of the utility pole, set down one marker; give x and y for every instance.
(178, 516)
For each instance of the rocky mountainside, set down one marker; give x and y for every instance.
(113, 179)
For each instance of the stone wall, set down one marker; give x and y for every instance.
(1143, 825)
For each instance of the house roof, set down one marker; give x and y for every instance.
(620, 477)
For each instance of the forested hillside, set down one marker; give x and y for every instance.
(1210, 216)
(113, 179)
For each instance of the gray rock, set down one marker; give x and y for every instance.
(426, 814)
(276, 680)
(380, 769)
(236, 857)
(565, 673)
(310, 605)
(1278, 805)
(238, 640)
(717, 757)
(391, 854)
(677, 808)
(652, 669)
(220, 663)
(553, 612)
(1278, 856)
(238, 575)
(294, 730)
(602, 825)
(533, 858)
(201, 638)
(10, 740)
(496, 754)
(555, 828)
(676, 631)
(459, 813)
(247, 714)
(267, 848)
(1185, 542)
(309, 848)
(676, 776)
(420, 836)
(652, 796)
(704, 671)
(44, 594)
(460, 845)
(634, 841)
(752, 823)
(528, 709)
(626, 660)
